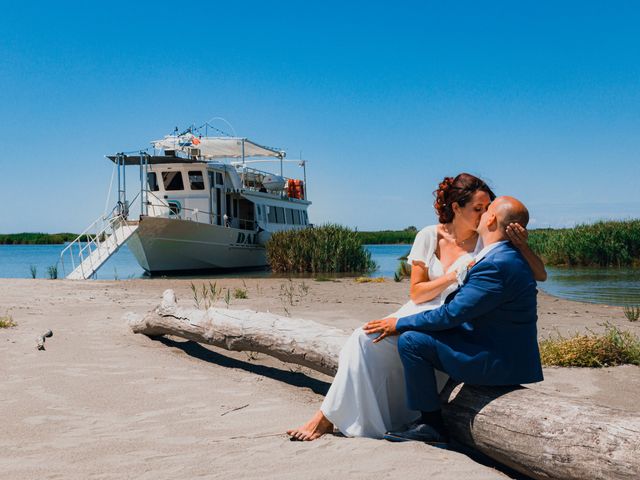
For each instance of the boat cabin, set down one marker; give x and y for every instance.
(231, 195)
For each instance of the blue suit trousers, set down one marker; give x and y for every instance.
(419, 355)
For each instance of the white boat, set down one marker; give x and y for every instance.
(203, 206)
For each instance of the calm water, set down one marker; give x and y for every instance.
(613, 286)
(597, 285)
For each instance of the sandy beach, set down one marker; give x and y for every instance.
(103, 403)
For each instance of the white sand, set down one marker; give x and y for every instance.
(101, 402)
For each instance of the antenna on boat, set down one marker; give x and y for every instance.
(208, 123)
(303, 164)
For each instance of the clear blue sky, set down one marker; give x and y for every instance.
(542, 99)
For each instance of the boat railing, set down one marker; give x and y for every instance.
(255, 184)
(166, 210)
(94, 236)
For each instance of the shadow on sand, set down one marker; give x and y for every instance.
(296, 379)
(299, 379)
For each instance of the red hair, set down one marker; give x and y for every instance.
(457, 190)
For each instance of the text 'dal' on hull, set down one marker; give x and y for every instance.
(166, 245)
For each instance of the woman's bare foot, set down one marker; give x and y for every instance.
(313, 429)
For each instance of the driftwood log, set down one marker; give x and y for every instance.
(540, 435)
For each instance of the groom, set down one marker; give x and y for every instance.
(484, 334)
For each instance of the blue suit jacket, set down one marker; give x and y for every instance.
(486, 331)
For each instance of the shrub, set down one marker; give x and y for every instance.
(632, 312)
(404, 270)
(613, 347)
(6, 321)
(328, 248)
(240, 293)
(34, 271)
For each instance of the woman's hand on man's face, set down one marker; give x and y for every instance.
(517, 234)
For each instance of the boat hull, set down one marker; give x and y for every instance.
(172, 245)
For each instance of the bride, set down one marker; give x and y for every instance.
(367, 397)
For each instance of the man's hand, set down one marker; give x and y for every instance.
(386, 327)
(517, 234)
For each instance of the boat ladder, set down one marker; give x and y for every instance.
(90, 251)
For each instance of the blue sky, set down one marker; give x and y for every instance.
(542, 99)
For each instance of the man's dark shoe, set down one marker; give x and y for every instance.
(419, 432)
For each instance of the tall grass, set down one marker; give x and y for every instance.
(325, 249)
(613, 347)
(52, 271)
(632, 312)
(604, 244)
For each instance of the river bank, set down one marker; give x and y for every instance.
(613, 286)
(100, 401)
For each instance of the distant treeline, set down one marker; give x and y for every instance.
(603, 244)
(36, 238)
(387, 237)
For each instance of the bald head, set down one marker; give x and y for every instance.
(510, 210)
(501, 212)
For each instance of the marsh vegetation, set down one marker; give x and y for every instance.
(325, 249)
(603, 244)
(608, 349)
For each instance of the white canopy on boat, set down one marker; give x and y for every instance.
(216, 147)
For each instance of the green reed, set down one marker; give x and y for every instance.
(603, 244)
(324, 249)
(632, 312)
(52, 271)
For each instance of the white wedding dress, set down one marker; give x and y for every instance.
(367, 397)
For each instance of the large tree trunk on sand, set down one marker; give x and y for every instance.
(540, 435)
(303, 342)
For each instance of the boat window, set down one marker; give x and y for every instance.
(219, 180)
(272, 214)
(289, 216)
(305, 219)
(172, 180)
(152, 181)
(174, 209)
(211, 179)
(296, 217)
(259, 210)
(196, 180)
(280, 215)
